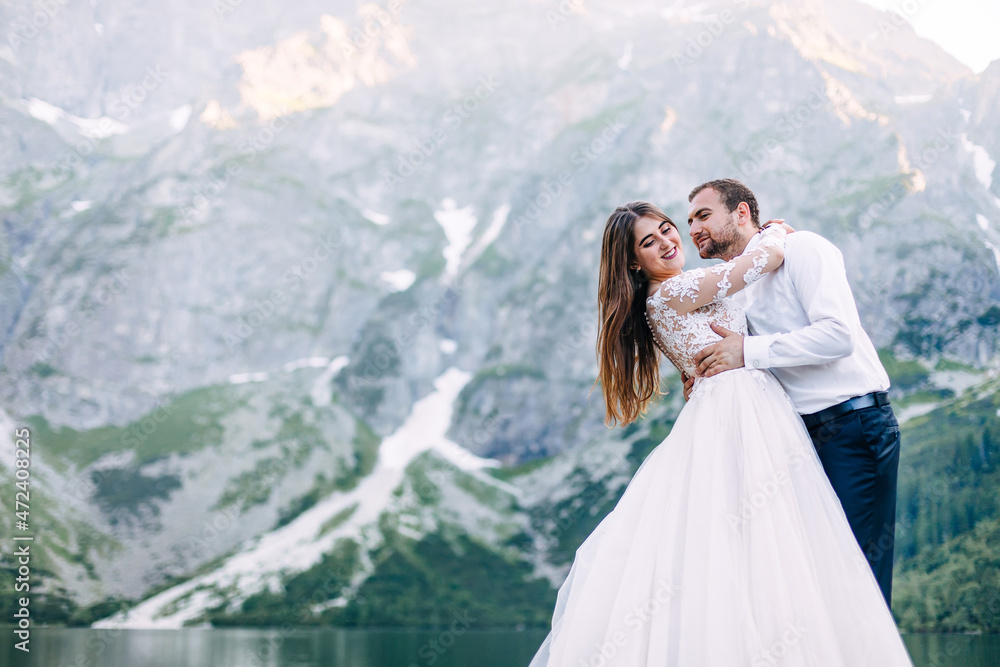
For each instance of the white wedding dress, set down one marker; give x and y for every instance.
(728, 547)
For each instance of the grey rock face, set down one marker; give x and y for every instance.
(193, 192)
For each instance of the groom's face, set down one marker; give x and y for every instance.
(714, 230)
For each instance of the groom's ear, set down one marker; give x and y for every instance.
(743, 214)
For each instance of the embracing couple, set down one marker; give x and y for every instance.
(760, 531)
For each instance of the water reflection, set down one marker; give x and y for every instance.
(58, 647)
(954, 650)
(333, 647)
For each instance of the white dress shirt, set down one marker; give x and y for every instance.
(806, 329)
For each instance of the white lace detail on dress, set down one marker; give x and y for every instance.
(681, 335)
(755, 271)
(685, 285)
(723, 270)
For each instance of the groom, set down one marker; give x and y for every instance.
(805, 328)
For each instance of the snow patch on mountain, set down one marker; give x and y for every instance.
(377, 218)
(458, 224)
(131, 139)
(243, 378)
(981, 161)
(321, 392)
(399, 280)
(299, 544)
(496, 225)
(94, 128)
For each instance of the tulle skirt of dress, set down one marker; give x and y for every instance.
(728, 547)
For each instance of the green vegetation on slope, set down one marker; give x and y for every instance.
(299, 593)
(416, 584)
(948, 476)
(906, 375)
(185, 423)
(953, 587)
(947, 536)
(425, 584)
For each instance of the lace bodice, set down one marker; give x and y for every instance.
(682, 309)
(683, 336)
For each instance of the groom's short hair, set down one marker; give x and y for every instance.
(732, 192)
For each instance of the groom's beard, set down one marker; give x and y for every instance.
(724, 245)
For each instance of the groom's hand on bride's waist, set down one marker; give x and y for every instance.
(725, 355)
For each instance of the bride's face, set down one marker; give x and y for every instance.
(657, 247)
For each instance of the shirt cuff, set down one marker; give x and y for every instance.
(755, 351)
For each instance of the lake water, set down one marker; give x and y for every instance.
(61, 647)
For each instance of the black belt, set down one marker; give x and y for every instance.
(878, 398)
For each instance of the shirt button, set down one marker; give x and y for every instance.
(756, 364)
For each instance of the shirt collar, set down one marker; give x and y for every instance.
(752, 243)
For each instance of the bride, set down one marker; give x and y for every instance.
(729, 546)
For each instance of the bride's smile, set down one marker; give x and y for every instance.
(657, 248)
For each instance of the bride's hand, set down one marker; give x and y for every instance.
(779, 221)
(688, 385)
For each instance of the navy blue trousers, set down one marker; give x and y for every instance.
(860, 454)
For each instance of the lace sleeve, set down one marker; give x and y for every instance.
(700, 287)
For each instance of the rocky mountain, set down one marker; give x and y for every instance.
(298, 302)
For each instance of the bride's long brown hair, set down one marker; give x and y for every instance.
(627, 355)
